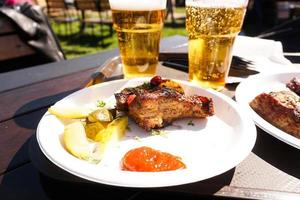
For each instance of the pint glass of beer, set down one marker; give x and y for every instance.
(138, 24)
(212, 26)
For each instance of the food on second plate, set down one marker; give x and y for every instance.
(294, 85)
(282, 109)
(160, 102)
(146, 159)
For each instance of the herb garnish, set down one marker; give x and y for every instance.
(137, 138)
(146, 86)
(159, 132)
(190, 123)
(100, 103)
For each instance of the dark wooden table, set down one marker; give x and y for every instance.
(271, 171)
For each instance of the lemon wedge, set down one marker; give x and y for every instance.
(76, 141)
(69, 111)
(101, 114)
(91, 129)
(114, 131)
(111, 135)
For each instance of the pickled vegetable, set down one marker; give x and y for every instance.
(110, 136)
(102, 114)
(114, 131)
(91, 129)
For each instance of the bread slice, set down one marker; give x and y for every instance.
(282, 109)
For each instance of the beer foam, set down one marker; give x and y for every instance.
(217, 3)
(138, 5)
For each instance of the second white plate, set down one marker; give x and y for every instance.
(253, 86)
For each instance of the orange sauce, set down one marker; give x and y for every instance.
(146, 159)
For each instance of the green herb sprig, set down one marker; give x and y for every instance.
(190, 123)
(159, 132)
(100, 103)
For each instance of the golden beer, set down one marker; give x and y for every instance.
(139, 36)
(211, 32)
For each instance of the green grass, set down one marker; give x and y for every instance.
(76, 45)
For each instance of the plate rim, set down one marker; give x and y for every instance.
(258, 120)
(251, 130)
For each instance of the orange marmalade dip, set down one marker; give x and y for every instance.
(146, 159)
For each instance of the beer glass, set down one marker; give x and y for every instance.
(212, 26)
(138, 24)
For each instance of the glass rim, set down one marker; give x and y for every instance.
(138, 5)
(217, 3)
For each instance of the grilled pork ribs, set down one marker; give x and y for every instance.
(156, 105)
(294, 85)
(282, 109)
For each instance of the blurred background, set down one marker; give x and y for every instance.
(39, 31)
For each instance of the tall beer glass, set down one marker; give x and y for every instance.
(212, 26)
(138, 24)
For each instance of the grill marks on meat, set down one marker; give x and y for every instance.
(121, 99)
(160, 106)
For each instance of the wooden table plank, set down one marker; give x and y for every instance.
(13, 139)
(27, 183)
(22, 183)
(13, 47)
(6, 26)
(23, 77)
(41, 94)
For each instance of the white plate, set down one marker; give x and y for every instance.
(250, 88)
(211, 147)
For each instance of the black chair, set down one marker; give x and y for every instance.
(100, 14)
(170, 10)
(59, 12)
